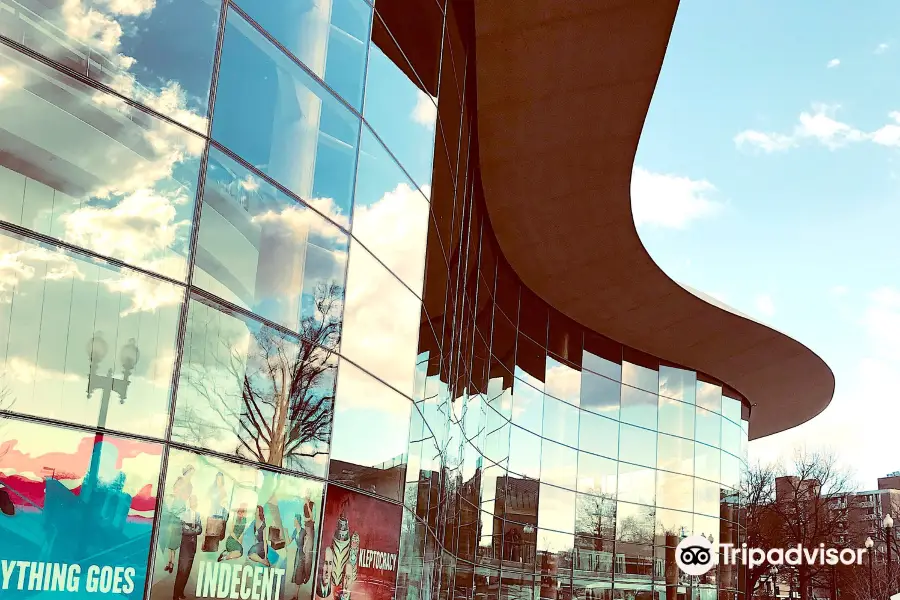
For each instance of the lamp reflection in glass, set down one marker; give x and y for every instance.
(129, 355)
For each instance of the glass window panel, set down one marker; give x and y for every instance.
(634, 523)
(636, 484)
(401, 113)
(676, 418)
(262, 250)
(731, 437)
(563, 381)
(381, 322)
(731, 471)
(708, 462)
(637, 445)
(595, 517)
(206, 495)
(639, 407)
(528, 406)
(600, 394)
(503, 341)
(556, 510)
(671, 525)
(390, 216)
(598, 435)
(709, 396)
(640, 377)
(513, 585)
(675, 454)
(534, 317)
(370, 422)
(500, 392)
(493, 489)
(67, 497)
(707, 526)
(524, 453)
(157, 53)
(708, 428)
(560, 421)
(328, 37)
(496, 441)
(602, 356)
(530, 361)
(558, 464)
(283, 122)
(250, 390)
(706, 497)
(86, 168)
(554, 551)
(521, 501)
(731, 409)
(678, 384)
(596, 475)
(674, 491)
(68, 324)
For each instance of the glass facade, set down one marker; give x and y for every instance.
(259, 339)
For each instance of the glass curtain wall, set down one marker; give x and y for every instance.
(258, 337)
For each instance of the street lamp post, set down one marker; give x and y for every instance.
(888, 524)
(128, 356)
(869, 550)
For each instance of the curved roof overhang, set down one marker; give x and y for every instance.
(563, 89)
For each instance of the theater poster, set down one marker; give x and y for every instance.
(233, 531)
(360, 542)
(76, 512)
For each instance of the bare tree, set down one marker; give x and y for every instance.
(757, 492)
(812, 501)
(277, 397)
(595, 517)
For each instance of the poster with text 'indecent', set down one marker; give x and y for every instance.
(228, 530)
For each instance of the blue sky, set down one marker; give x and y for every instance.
(768, 176)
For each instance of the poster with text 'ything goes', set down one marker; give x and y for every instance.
(76, 512)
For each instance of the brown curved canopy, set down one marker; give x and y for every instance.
(563, 90)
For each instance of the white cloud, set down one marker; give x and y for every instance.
(882, 48)
(767, 142)
(833, 63)
(764, 305)
(888, 135)
(823, 127)
(142, 225)
(22, 264)
(400, 214)
(670, 201)
(819, 125)
(425, 111)
(839, 290)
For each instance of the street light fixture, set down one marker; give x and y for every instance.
(129, 355)
(869, 550)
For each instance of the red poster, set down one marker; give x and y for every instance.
(360, 541)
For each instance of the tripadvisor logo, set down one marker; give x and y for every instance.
(696, 555)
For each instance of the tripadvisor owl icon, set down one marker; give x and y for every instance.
(695, 555)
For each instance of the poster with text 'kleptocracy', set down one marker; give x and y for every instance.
(360, 543)
(76, 512)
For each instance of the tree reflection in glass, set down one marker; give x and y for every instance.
(259, 393)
